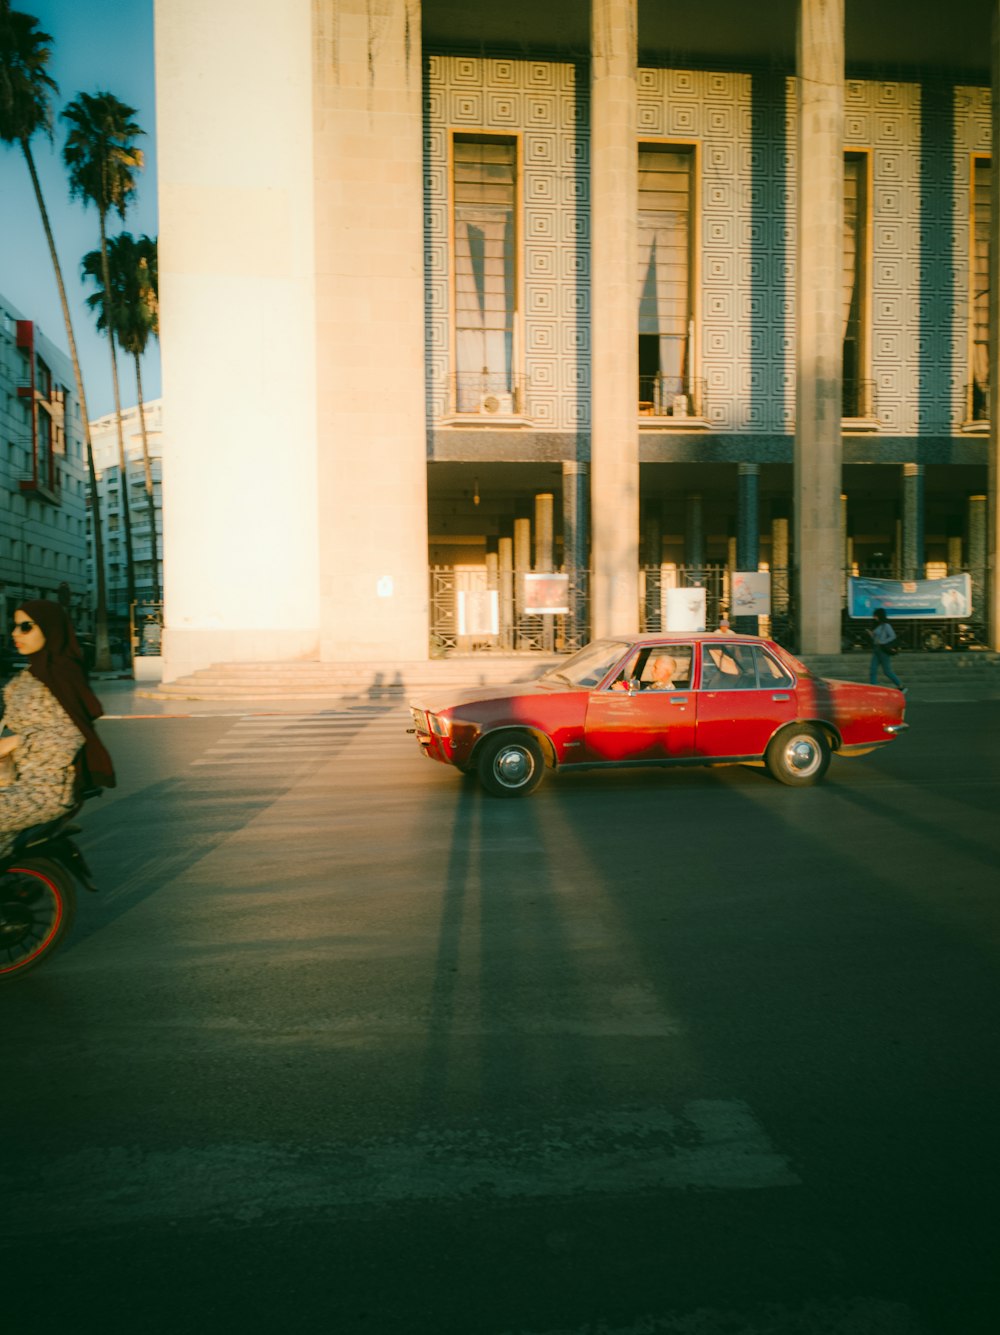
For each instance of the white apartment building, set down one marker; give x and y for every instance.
(43, 473)
(104, 439)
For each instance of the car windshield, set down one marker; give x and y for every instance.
(590, 665)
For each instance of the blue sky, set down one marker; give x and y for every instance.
(99, 45)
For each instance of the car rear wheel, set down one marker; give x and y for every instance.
(511, 765)
(799, 755)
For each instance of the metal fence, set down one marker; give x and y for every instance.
(471, 615)
(474, 612)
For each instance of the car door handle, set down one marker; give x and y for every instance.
(678, 699)
(781, 697)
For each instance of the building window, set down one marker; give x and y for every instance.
(978, 408)
(485, 268)
(666, 310)
(857, 389)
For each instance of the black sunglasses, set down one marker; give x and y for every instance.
(24, 626)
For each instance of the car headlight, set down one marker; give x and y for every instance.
(441, 727)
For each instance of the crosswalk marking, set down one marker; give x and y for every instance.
(370, 733)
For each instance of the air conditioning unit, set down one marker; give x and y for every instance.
(497, 405)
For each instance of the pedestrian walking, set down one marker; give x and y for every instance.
(885, 643)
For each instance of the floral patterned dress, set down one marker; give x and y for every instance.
(42, 762)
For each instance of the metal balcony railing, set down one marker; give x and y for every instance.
(859, 399)
(487, 394)
(977, 402)
(672, 396)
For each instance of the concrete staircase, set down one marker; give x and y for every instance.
(975, 672)
(375, 681)
(976, 667)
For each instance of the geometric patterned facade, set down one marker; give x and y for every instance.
(920, 138)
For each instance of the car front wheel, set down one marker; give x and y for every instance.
(799, 755)
(511, 765)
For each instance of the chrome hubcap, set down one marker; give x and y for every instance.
(513, 766)
(802, 755)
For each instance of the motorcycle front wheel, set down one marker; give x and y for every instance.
(37, 906)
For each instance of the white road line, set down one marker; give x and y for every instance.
(711, 1144)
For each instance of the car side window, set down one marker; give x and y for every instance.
(727, 667)
(769, 671)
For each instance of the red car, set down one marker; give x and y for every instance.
(667, 699)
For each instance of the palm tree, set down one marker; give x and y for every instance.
(102, 161)
(25, 110)
(134, 315)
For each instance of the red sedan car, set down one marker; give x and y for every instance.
(680, 699)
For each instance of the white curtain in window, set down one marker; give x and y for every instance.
(483, 299)
(664, 250)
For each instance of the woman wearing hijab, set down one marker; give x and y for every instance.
(49, 748)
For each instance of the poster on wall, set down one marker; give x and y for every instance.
(546, 595)
(684, 609)
(478, 612)
(751, 593)
(934, 599)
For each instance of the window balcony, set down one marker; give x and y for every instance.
(486, 397)
(977, 407)
(673, 400)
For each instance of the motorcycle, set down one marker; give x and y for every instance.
(38, 880)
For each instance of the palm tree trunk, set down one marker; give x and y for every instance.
(150, 496)
(122, 461)
(102, 655)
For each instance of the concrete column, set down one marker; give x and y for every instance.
(846, 548)
(747, 516)
(978, 531)
(576, 478)
(522, 546)
(819, 321)
(954, 555)
(574, 512)
(544, 535)
(991, 594)
(240, 522)
(614, 450)
(913, 521)
(694, 530)
(505, 560)
(522, 565)
(370, 329)
(779, 564)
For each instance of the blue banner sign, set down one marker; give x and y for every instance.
(937, 599)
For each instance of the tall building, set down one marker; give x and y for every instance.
(43, 492)
(110, 489)
(642, 293)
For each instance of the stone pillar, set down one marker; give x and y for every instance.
(240, 522)
(575, 494)
(846, 549)
(779, 564)
(747, 516)
(747, 530)
(694, 531)
(819, 321)
(372, 496)
(505, 561)
(991, 594)
(614, 449)
(913, 521)
(544, 536)
(978, 531)
(522, 565)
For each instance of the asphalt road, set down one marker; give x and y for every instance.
(345, 1046)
